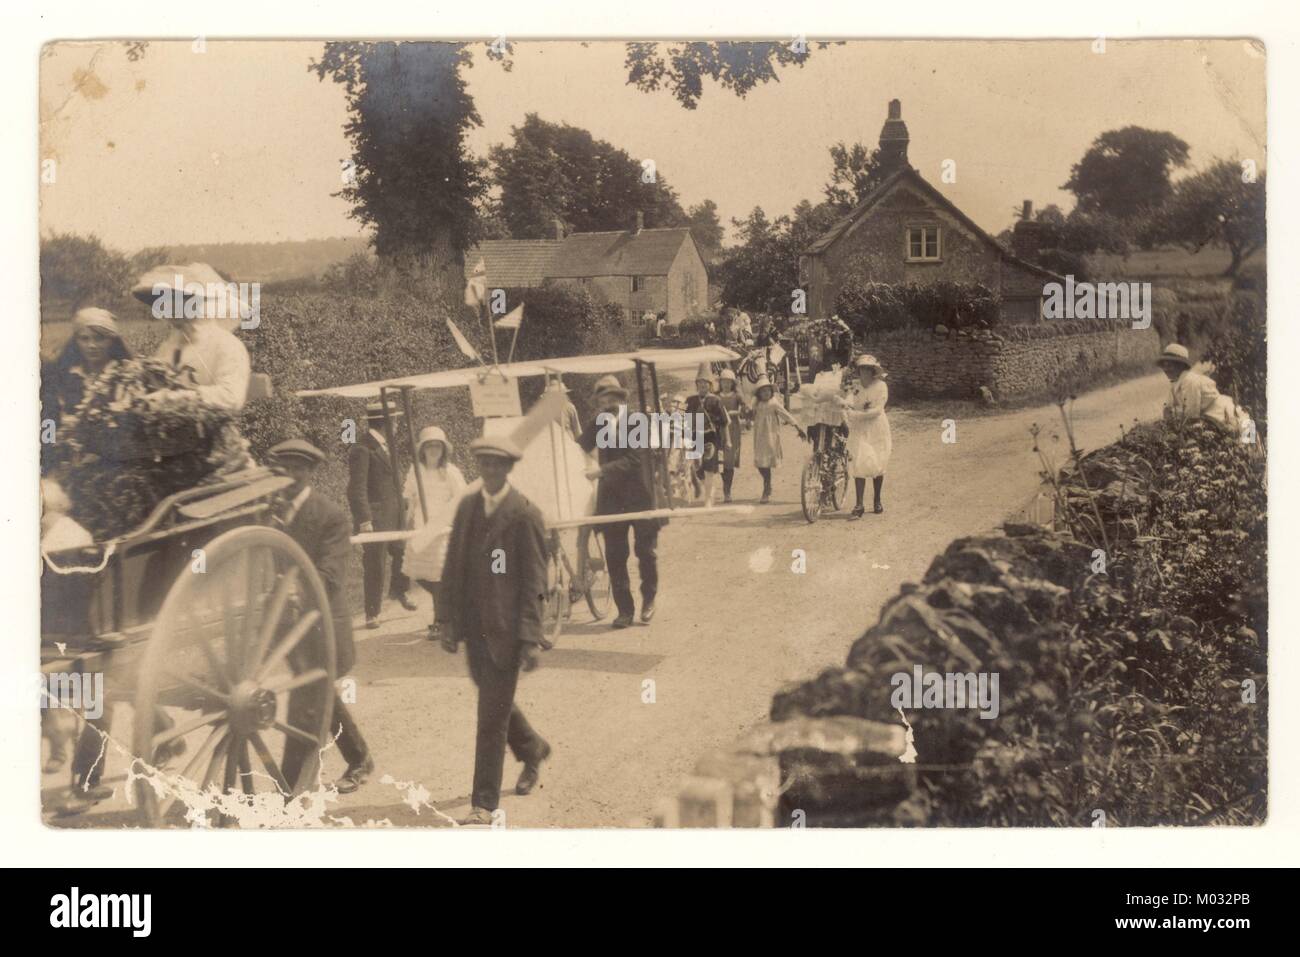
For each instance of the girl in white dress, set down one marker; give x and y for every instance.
(444, 484)
(869, 440)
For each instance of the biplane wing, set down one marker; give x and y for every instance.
(576, 365)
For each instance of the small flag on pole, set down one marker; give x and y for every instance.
(512, 319)
(461, 342)
(476, 285)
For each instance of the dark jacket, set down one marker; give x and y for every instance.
(321, 529)
(507, 606)
(622, 486)
(715, 417)
(372, 496)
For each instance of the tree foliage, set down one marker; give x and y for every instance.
(1125, 172)
(706, 230)
(555, 171)
(761, 272)
(682, 68)
(855, 172)
(82, 271)
(1218, 205)
(413, 181)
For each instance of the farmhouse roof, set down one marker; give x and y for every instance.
(514, 262)
(527, 262)
(909, 173)
(649, 252)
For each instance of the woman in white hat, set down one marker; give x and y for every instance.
(870, 442)
(733, 402)
(1194, 395)
(769, 413)
(443, 484)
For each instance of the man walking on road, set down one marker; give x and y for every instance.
(623, 488)
(321, 529)
(495, 580)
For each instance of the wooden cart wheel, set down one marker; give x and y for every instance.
(597, 591)
(244, 644)
(810, 489)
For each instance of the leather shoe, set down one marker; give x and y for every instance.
(531, 772)
(477, 817)
(372, 623)
(405, 602)
(647, 612)
(355, 776)
(622, 621)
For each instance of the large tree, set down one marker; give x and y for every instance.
(761, 272)
(706, 229)
(855, 172)
(412, 180)
(81, 271)
(1220, 204)
(553, 171)
(1125, 173)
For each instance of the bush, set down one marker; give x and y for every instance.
(874, 307)
(1239, 348)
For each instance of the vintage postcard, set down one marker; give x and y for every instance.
(625, 434)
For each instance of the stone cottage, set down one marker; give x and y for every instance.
(907, 231)
(642, 270)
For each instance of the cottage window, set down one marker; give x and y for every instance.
(923, 243)
(638, 283)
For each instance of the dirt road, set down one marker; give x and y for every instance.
(629, 712)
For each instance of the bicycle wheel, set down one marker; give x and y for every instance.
(556, 607)
(839, 483)
(596, 589)
(810, 490)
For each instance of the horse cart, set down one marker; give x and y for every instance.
(213, 625)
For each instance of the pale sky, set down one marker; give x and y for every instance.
(241, 143)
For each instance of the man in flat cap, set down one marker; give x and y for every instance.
(376, 507)
(495, 578)
(322, 530)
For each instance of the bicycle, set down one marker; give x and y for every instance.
(565, 585)
(824, 484)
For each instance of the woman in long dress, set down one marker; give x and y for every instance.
(769, 413)
(869, 441)
(444, 484)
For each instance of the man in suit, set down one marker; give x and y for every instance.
(623, 488)
(376, 507)
(495, 577)
(322, 531)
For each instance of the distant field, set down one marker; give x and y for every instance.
(1170, 262)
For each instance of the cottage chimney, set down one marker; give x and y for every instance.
(1027, 235)
(894, 139)
(639, 224)
(559, 227)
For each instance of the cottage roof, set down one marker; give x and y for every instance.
(514, 262)
(649, 252)
(909, 173)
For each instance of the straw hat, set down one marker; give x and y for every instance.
(1175, 354)
(704, 373)
(726, 375)
(375, 408)
(763, 382)
(870, 361)
(221, 301)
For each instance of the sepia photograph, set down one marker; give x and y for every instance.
(652, 434)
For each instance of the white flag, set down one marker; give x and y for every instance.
(476, 285)
(462, 343)
(512, 319)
